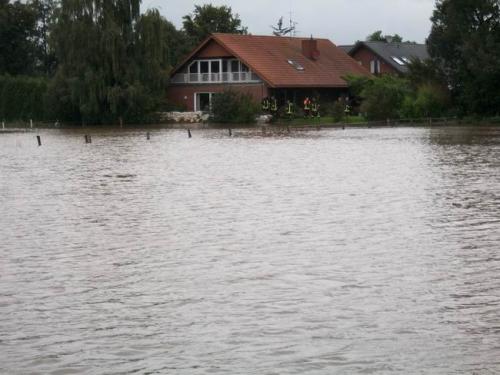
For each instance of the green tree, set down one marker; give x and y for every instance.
(178, 42)
(431, 101)
(112, 62)
(45, 11)
(233, 107)
(17, 30)
(465, 44)
(422, 72)
(207, 19)
(382, 97)
(378, 37)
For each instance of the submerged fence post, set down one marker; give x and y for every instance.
(230, 132)
(39, 140)
(31, 124)
(189, 133)
(88, 139)
(147, 136)
(3, 125)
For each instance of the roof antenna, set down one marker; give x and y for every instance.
(291, 30)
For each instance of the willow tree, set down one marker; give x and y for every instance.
(112, 62)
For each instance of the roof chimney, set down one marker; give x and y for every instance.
(310, 48)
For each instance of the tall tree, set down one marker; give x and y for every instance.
(45, 56)
(465, 44)
(17, 30)
(113, 62)
(207, 19)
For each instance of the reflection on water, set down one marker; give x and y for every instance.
(356, 251)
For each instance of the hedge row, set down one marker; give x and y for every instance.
(23, 98)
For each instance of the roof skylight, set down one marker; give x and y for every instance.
(398, 60)
(406, 59)
(296, 65)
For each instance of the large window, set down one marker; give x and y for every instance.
(204, 67)
(219, 70)
(215, 66)
(375, 66)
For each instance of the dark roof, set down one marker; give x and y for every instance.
(269, 57)
(401, 51)
(346, 49)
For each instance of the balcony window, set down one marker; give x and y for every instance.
(204, 67)
(218, 71)
(215, 66)
(235, 66)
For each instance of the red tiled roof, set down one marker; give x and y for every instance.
(268, 57)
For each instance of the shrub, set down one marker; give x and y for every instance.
(383, 98)
(432, 101)
(338, 110)
(233, 107)
(389, 96)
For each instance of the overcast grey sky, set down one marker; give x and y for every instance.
(342, 21)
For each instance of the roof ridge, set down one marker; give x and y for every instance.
(270, 36)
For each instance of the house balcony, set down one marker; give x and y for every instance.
(207, 78)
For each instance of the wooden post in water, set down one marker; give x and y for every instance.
(39, 140)
(88, 139)
(3, 125)
(147, 136)
(31, 124)
(230, 132)
(189, 133)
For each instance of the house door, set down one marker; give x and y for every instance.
(203, 100)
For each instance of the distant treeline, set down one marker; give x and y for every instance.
(94, 61)
(106, 61)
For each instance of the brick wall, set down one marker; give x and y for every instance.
(183, 95)
(364, 55)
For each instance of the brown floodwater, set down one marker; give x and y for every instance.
(372, 251)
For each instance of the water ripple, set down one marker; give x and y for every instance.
(332, 251)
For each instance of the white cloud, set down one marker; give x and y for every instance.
(342, 21)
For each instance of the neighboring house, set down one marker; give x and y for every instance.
(386, 58)
(284, 67)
